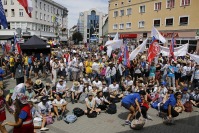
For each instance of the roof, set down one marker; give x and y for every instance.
(35, 43)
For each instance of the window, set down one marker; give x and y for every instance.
(115, 14)
(36, 4)
(36, 15)
(41, 16)
(157, 6)
(40, 5)
(12, 12)
(6, 12)
(44, 7)
(121, 26)
(129, 1)
(5, 2)
(48, 8)
(170, 3)
(142, 9)
(122, 3)
(12, 2)
(141, 24)
(169, 21)
(185, 2)
(129, 11)
(48, 18)
(44, 17)
(51, 9)
(20, 12)
(116, 4)
(156, 23)
(121, 12)
(128, 25)
(184, 20)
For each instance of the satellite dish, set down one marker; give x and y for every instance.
(19, 30)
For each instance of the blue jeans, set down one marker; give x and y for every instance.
(108, 81)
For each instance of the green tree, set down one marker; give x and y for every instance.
(77, 36)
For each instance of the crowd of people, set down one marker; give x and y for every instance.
(169, 86)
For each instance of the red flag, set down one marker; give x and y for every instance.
(153, 50)
(27, 4)
(8, 47)
(18, 48)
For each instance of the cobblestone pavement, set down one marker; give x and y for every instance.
(105, 123)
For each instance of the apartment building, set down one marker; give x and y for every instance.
(134, 19)
(49, 20)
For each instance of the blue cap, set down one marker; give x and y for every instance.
(185, 89)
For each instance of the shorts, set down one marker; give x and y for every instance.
(12, 69)
(126, 106)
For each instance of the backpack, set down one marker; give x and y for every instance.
(112, 109)
(92, 115)
(70, 119)
(29, 60)
(78, 112)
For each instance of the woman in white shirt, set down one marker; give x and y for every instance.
(101, 101)
(91, 104)
(62, 68)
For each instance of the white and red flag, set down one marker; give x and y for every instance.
(27, 4)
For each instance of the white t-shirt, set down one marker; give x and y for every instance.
(90, 103)
(100, 100)
(79, 89)
(61, 101)
(113, 88)
(184, 71)
(60, 88)
(44, 109)
(98, 84)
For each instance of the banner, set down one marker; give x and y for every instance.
(179, 51)
(139, 49)
(194, 57)
(154, 49)
(3, 20)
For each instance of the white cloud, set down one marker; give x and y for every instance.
(76, 6)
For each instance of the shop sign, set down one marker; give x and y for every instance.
(128, 35)
(170, 35)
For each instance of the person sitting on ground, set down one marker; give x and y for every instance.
(76, 91)
(185, 95)
(86, 79)
(132, 103)
(115, 96)
(105, 90)
(30, 94)
(91, 104)
(97, 83)
(127, 84)
(45, 110)
(195, 97)
(59, 106)
(61, 87)
(101, 101)
(38, 87)
(94, 90)
(47, 91)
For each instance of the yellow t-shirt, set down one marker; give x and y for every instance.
(25, 60)
(12, 61)
(88, 66)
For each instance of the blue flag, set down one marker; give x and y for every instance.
(3, 20)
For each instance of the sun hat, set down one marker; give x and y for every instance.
(22, 98)
(76, 84)
(90, 94)
(38, 82)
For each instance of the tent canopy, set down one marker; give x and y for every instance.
(35, 43)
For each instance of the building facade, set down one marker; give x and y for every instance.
(72, 31)
(49, 20)
(134, 19)
(90, 25)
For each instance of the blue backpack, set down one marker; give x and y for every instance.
(70, 119)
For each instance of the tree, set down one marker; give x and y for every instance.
(77, 36)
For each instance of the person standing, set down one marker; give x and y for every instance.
(19, 72)
(55, 68)
(195, 77)
(12, 63)
(23, 117)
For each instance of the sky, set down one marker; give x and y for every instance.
(76, 6)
